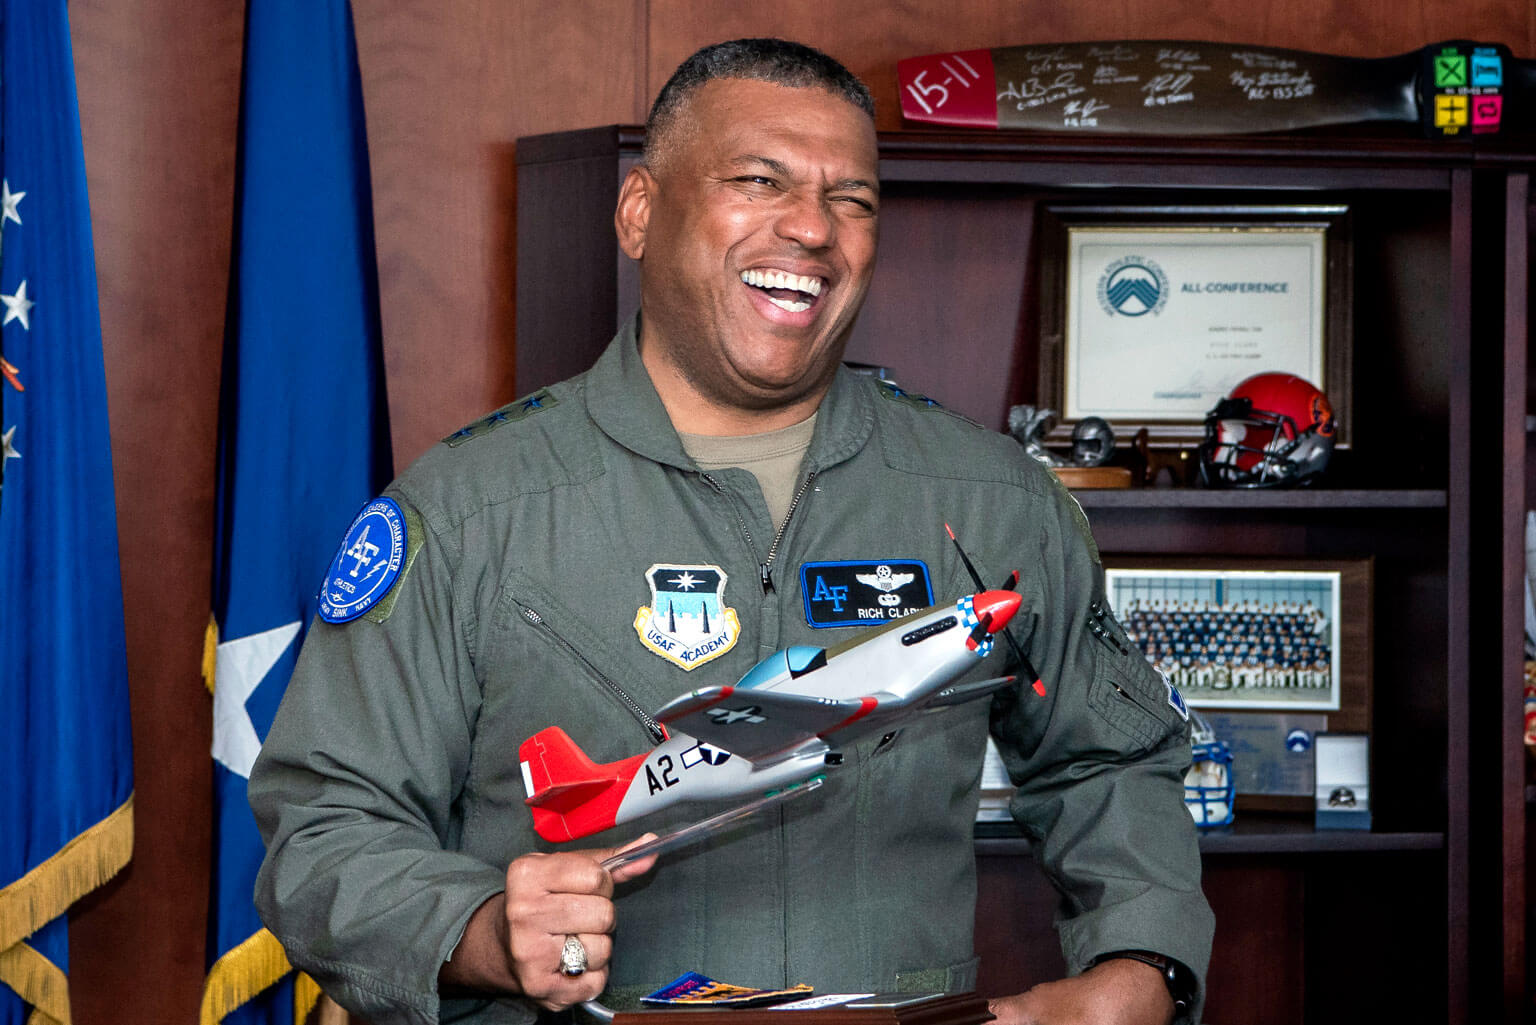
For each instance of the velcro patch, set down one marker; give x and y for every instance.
(511, 412)
(367, 564)
(864, 593)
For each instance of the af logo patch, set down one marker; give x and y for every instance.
(367, 563)
(687, 622)
(862, 593)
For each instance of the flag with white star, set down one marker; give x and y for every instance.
(66, 800)
(303, 435)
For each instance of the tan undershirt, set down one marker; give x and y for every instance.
(773, 458)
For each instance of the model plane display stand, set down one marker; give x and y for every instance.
(948, 1009)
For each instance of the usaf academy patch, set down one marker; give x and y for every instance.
(861, 593)
(687, 622)
(367, 564)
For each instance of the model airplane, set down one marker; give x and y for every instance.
(781, 724)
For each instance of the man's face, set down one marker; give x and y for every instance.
(756, 238)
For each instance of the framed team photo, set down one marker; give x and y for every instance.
(1245, 634)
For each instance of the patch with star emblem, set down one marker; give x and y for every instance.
(893, 391)
(367, 564)
(862, 593)
(520, 409)
(687, 622)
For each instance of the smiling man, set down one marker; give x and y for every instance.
(754, 220)
(716, 488)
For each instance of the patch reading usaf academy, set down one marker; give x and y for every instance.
(367, 564)
(861, 593)
(687, 622)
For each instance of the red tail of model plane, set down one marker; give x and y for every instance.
(571, 794)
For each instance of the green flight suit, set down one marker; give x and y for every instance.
(389, 791)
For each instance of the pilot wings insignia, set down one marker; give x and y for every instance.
(882, 579)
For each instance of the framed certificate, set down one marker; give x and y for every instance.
(1150, 315)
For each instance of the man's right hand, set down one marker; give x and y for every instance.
(513, 941)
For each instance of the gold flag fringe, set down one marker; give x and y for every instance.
(38, 981)
(306, 994)
(76, 869)
(244, 971)
(210, 651)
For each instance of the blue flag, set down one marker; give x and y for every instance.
(66, 767)
(303, 431)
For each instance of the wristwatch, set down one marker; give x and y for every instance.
(1179, 979)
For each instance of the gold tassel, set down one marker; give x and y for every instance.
(38, 981)
(76, 869)
(210, 651)
(244, 971)
(305, 995)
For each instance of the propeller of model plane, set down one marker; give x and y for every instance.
(1012, 584)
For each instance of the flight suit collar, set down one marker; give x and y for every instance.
(623, 403)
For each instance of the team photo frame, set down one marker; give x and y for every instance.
(1238, 635)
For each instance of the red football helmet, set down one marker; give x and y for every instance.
(1274, 430)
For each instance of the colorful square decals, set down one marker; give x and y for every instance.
(1486, 112)
(1487, 70)
(1450, 111)
(1450, 70)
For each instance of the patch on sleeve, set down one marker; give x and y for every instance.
(520, 409)
(366, 566)
(864, 593)
(415, 533)
(1175, 699)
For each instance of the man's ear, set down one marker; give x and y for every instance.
(632, 216)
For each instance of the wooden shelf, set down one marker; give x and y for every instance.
(1251, 833)
(1307, 498)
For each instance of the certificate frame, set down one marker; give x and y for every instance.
(1082, 333)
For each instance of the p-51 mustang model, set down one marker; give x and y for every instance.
(779, 725)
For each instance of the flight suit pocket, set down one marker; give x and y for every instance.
(956, 978)
(1132, 697)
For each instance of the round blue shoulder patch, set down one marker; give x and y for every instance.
(366, 565)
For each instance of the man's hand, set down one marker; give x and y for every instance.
(512, 942)
(1115, 992)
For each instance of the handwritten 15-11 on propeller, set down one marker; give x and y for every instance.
(779, 725)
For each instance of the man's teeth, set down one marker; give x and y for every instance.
(777, 279)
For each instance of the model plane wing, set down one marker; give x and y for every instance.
(963, 692)
(758, 724)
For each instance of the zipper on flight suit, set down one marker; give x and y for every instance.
(1096, 627)
(654, 728)
(765, 567)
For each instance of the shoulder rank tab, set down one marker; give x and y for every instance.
(518, 409)
(893, 391)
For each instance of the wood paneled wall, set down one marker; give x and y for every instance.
(449, 87)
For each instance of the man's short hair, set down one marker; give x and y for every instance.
(778, 61)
